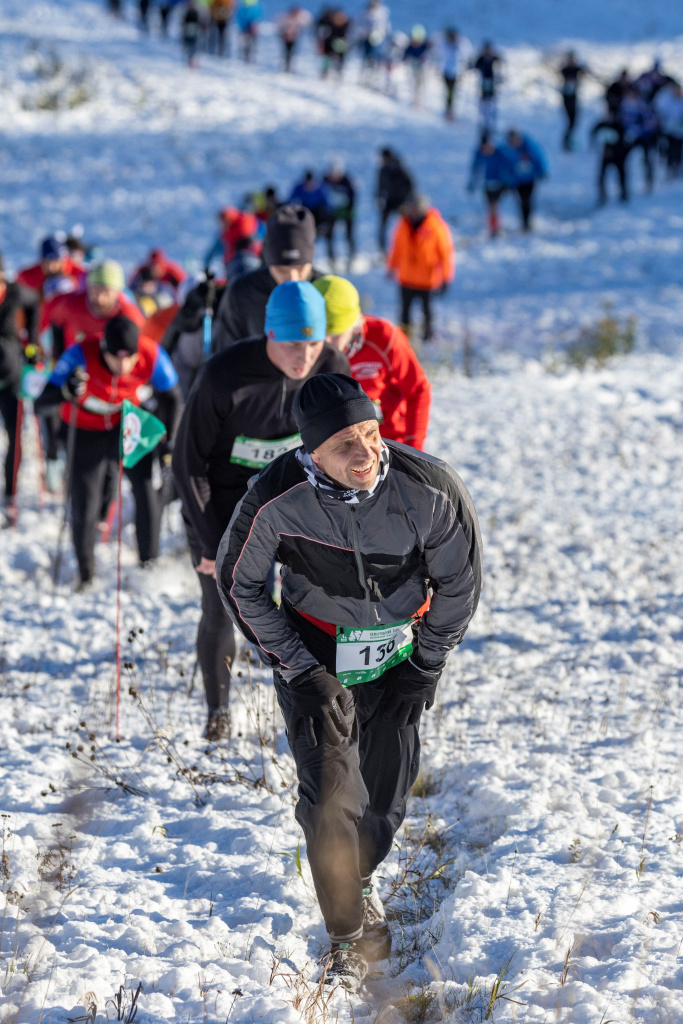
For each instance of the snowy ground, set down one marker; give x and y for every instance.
(548, 824)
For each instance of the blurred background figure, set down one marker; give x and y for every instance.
(221, 12)
(669, 106)
(455, 56)
(571, 73)
(488, 65)
(332, 31)
(160, 268)
(394, 185)
(238, 231)
(609, 133)
(191, 33)
(341, 200)
(374, 29)
(415, 56)
(489, 167)
(309, 192)
(290, 26)
(525, 166)
(249, 14)
(422, 259)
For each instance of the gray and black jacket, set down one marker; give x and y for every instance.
(353, 564)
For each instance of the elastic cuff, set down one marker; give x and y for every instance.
(351, 937)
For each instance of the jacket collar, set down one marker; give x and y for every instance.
(323, 483)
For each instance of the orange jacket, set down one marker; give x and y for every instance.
(423, 257)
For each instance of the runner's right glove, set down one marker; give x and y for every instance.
(317, 694)
(410, 688)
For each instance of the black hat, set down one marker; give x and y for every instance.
(121, 335)
(326, 404)
(290, 237)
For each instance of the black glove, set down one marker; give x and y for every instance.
(76, 385)
(409, 688)
(443, 289)
(317, 694)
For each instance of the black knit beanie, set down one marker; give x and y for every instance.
(326, 404)
(121, 335)
(290, 237)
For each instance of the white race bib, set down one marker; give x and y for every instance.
(250, 451)
(366, 654)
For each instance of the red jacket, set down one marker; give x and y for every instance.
(171, 272)
(387, 369)
(100, 407)
(71, 314)
(35, 277)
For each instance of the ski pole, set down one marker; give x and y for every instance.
(70, 448)
(208, 311)
(14, 508)
(118, 600)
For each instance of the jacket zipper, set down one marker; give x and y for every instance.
(282, 398)
(355, 529)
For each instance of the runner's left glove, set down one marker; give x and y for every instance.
(410, 687)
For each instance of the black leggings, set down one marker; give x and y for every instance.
(95, 466)
(328, 233)
(408, 296)
(9, 410)
(450, 92)
(525, 193)
(215, 635)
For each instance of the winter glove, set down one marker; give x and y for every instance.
(317, 694)
(443, 290)
(409, 688)
(76, 385)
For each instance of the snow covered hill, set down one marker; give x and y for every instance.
(546, 827)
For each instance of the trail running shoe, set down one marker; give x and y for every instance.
(345, 965)
(219, 726)
(376, 935)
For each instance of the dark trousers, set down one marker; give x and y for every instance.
(450, 84)
(385, 213)
(525, 193)
(618, 161)
(94, 468)
(408, 296)
(215, 635)
(217, 36)
(328, 233)
(352, 797)
(288, 52)
(9, 410)
(674, 153)
(571, 111)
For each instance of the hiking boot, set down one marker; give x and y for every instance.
(345, 965)
(376, 935)
(219, 726)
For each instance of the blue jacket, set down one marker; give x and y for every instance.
(493, 168)
(313, 200)
(525, 163)
(248, 15)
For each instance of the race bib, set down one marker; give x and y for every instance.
(366, 654)
(249, 451)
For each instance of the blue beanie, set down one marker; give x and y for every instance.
(50, 249)
(296, 312)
